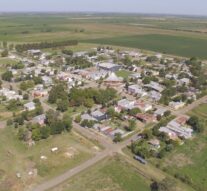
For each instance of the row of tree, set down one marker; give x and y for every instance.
(42, 45)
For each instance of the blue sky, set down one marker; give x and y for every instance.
(191, 7)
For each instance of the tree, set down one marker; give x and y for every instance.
(4, 44)
(9, 122)
(134, 111)
(7, 76)
(167, 184)
(111, 112)
(13, 104)
(78, 119)
(45, 132)
(117, 138)
(11, 46)
(4, 53)
(68, 52)
(132, 125)
(36, 134)
(67, 121)
(26, 85)
(62, 105)
(26, 96)
(51, 116)
(154, 186)
(57, 127)
(195, 123)
(57, 92)
(23, 134)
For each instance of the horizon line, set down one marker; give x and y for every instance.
(103, 12)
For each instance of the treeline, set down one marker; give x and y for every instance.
(42, 45)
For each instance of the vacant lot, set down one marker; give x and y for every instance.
(111, 174)
(169, 44)
(16, 157)
(189, 160)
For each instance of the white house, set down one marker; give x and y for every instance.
(176, 105)
(29, 106)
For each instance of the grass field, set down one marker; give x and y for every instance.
(111, 174)
(169, 44)
(17, 157)
(189, 160)
(123, 73)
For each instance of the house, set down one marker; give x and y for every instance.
(113, 80)
(144, 107)
(176, 105)
(136, 90)
(10, 94)
(146, 118)
(29, 106)
(154, 95)
(99, 115)
(34, 52)
(125, 104)
(97, 75)
(88, 117)
(110, 67)
(40, 119)
(40, 93)
(47, 81)
(155, 143)
(117, 131)
(160, 112)
(177, 127)
(135, 76)
(155, 86)
(184, 81)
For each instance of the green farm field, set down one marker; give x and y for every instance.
(167, 44)
(177, 36)
(113, 174)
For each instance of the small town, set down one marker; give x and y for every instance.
(98, 96)
(116, 96)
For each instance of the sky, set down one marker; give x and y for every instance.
(183, 7)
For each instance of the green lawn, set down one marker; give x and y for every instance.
(111, 174)
(123, 73)
(169, 44)
(17, 157)
(190, 159)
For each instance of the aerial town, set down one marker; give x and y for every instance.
(139, 99)
(103, 101)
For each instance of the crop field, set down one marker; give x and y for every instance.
(16, 157)
(168, 44)
(188, 161)
(112, 174)
(178, 36)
